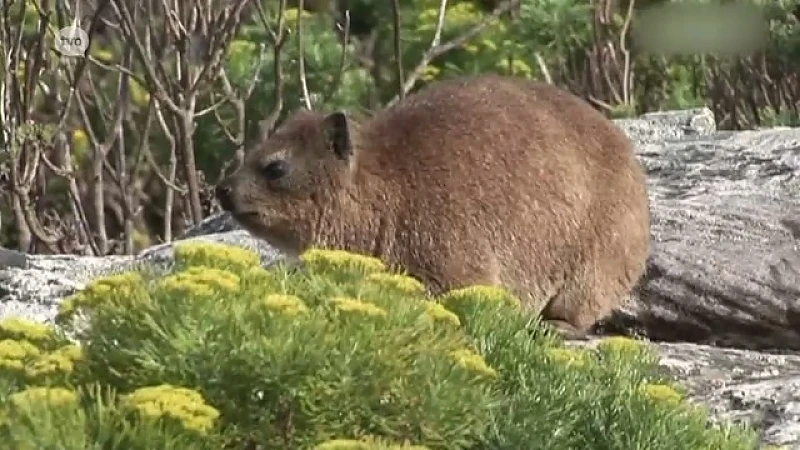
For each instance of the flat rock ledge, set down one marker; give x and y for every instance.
(721, 296)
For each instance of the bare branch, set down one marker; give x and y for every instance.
(123, 94)
(122, 12)
(279, 39)
(398, 57)
(627, 78)
(436, 49)
(301, 58)
(340, 71)
(169, 180)
(216, 49)
(543, 67)
(117, 68)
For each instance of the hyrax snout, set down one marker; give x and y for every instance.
(476, 180)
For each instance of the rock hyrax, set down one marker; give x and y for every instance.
(475, 180)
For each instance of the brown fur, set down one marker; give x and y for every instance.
(482, 180)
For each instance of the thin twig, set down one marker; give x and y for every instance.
(278, 41)
(543, 67)
(627, 77)
(340, 71)
(398, 57)
(301, 58)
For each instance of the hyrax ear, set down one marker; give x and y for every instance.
(337, 131)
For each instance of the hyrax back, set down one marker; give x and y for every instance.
(481, 180)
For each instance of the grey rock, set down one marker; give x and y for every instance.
(726, 259)
(12, 258)
(216, 223)
(758, 389)
(669, 125)
(45, 280)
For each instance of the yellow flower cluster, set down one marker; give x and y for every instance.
(403, 283)
(60, 361)
(661, 393)
(284, 304)
(478, 293)
(53, 397)
(121, 291)
(354, 306)
(125, 283)
(620, 344)
(439, 313)
(14, 355)
(328, 259)
(165, 401)
(569, 356)
(34, 332)
(216, 255)
(201, 281)
(473, 362)
(23, 357)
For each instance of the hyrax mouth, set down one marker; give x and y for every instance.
(224, 195)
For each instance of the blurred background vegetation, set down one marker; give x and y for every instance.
(117, 150)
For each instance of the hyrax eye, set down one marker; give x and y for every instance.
(276, 169)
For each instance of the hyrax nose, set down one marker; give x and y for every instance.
(223, 193)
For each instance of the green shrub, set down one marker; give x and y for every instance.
(151, 418)
(307, 353)
(338, 353)
(608, 397)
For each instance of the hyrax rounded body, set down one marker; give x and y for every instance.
(477, 180)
